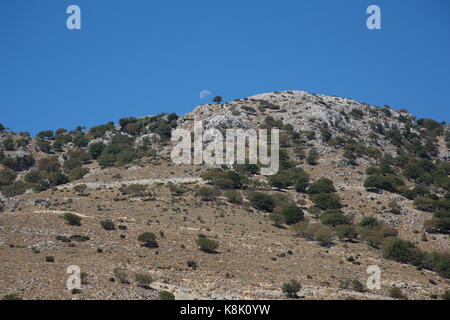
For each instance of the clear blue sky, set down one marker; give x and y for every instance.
(141, 57)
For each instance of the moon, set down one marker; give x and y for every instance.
(204, 94)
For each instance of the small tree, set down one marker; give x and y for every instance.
(262, 201)
(326, 201)
(347, 233)
(217, 99)
(45, 134)
(323, 185)
(9, 144)
(276, 218)
(291, 288)
(311, 159)
(233, 196)
(148, 239)
(292, 214)
(96, 149)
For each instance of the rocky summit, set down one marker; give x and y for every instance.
(359, 208)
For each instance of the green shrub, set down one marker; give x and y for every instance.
(311, 159)
(143, 280)
(262, 201)
(12, 296)
(15, 189)
(108, 224)
(347, 233)
(276, 218)
(207, 245)
(291, 288)
(9, 144)
(106, 160)
(292, 214)
(324, 236)
(446, 295)
(96, 149)
(72, 163)
(357, 285)
(280, 180)
(34, 176)
(47, 134)
(323, 185)
(121, 274)
(49, 165)
(372, 170)
(148, 239)
(176, 190)
(412, 171)
(389, 182)
(192, 264)
(72, 219)
(396, 293)
(327, 201)
(7, 176)
(369, 222)
(302, 183)
(45, 146)
(78, 173)
(333, 217)
(166, 295)
(398, 250)
(79, 238)
(208, 193)
(233, 196)
(133, 189)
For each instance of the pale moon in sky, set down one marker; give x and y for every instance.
(205, 94)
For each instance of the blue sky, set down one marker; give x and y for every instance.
(141, 57)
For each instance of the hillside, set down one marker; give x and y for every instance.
(358, 185)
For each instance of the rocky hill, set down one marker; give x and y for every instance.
(358, 186)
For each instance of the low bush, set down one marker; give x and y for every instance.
(262, 201)
(334, 217)
(207, 245)
(72, 219)
(148, 239)
(108, 224)
(323, 185)
(292, 214)
(166, 295)
(326, 201)
(208, 193)
(233, 196)
(291, 288)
